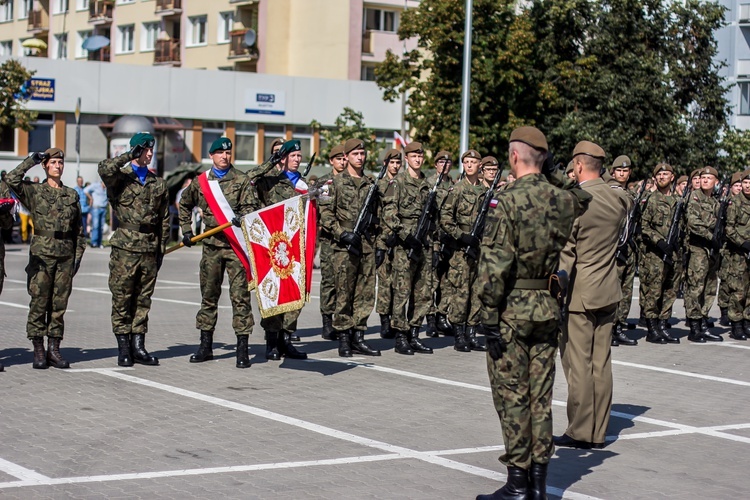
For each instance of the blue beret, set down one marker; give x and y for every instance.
(220, 144)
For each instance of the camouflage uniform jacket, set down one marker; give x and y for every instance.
(6, 220)
(273, 187)
(461, 208)
(523, 239)
(656, 216)
(339, 213)
(738, 223)
(134, 203)
(442, 194)
(324, 187)
(702, 216)
(52, 209)
(237, 190)
(403, 202)
(384, 233)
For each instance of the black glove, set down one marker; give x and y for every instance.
(159, 260)
(350, 238)
(469, 240)
(412, 243)
(715, 244)
(746, 246)
(237, 221)
(39, 157)
(275, 157)
(664, 247)
(495, 345)
(186, 239)
(76, 266)
(136, 151)
(435, 259)
(379, 257)
(392, 240)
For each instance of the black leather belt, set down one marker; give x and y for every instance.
(58, 235)
(141, 228)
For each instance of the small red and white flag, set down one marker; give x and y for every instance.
(281, 240)
(400, 141)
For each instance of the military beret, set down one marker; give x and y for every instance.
(736, 177)
(413, 147)
(661, 167)
(681, 179)
(276, 142)
(337, 150)
(695, 172)
(289, 147)
(588, 148)
(745, 175)
(472, 153)
(142, 139)
(443, 155)
(392, 154)
(570, 166)
(220, 144)
(55, 153)
(531, 136)
(489, 161)
(353, 144)
(622, 161)
(709, 170)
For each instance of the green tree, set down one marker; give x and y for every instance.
(13, 113)
(736, 148)
(350, 124)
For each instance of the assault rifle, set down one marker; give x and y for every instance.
(477, 229)
(425, 218)
(721, 220)
(366, 213)
(673, 235)
(631, 223)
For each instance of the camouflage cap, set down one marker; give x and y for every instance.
(472, 153)
(681, 179)
(142, 139)
(661, 167)
(55, 153)
(337, 150)
(392, 154)
(413, 147)
(736, 177)
(442, 155)
(220, 144)
(353, 144)
(589, 148)
(489, 161)
(531, 136)
(622, 161)
(709, 170)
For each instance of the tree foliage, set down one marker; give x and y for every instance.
(350, 124)
(13, 113)
(736, 148)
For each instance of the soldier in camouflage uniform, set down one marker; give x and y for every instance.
(55, 253)
(700, 286)
(384, 253)
(659, 281)
(737, 257)
(626, 259)
(722, 299)
(520, 251)
(140, 202)
(218, 256)
(7, 209)
(352, 253)
(403, 201)
(457, 216)
(325, 243)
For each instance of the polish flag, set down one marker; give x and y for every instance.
(400, 141)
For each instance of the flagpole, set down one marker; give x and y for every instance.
(464, 139)
(196, 239)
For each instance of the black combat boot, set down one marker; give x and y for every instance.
(737, 332)
(711, 337)
(443, 325)
(386, 332)
(359, 346)
(293, 337)
(345, 343)
(272, 347)
(618, 335)
(243, 360)
(696, 333)
(614, 342)
(517, 487)
(140, 354)
(2, 368)
(124, 352)
(40, 357)
(287, 349)
(414, 342)
(642, 321)
(205, 350)
(402, 343)
(664, 330)
(431, 330)
(54, 358)
(327, 332)
(704, 325)
(724, 319)
(746, 327)
(460, 343)
(471, 338)
(537, 481)
(654, 332)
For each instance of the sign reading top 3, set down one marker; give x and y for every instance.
(264, 102)
(42, 89)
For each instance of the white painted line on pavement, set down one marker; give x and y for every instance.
(467, 451)
(729, 344)
(22, 473)
(11, 304)
(98, 370)
(683, 373)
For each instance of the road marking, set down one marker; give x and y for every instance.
(683, 373)
(11, 304)
(22, 473)
(729, 344)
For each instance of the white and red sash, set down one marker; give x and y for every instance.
(223, 213)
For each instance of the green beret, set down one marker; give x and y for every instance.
(531, 136)
(220, 144)
(142, 139)
(289, 147)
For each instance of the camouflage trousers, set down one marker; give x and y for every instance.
(412, 295)
(457, 291)
(659, 284)
(384, 302)
(738, 286)
(723, 296)
(215, 261)
(626, 275)
(700, 285)
(2, 264)
(327, 273)
(521, 382)
(355, 289)
(132, 278)
(49, 282)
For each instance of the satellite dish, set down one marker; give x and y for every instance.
(250, 37)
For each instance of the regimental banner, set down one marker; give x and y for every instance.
(281, 243)
(265, 102)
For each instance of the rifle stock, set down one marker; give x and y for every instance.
(425, 218)
(477, 229)
(364, 219)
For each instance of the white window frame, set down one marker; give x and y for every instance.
(304, 134)
(120, 2)
(212, 128)
(82, 5)
(744, 87)
(251, 131)
(60, 6)
(381, 20)
(121, 39)
(24, 7)
(6, 48)
(145, 28)
(58, 40)
(81, 37)
(6, 12)
(225, 24)
(192, 33)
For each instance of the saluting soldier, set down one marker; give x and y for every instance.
(403, 202)
(140, 202)
(55, 254)
(737, 256)
(352, 253)
(7, 209)
(722, 298)
(218, 256)
(520, 252)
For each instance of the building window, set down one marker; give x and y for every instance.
(197, 30)
(60, 47)
(272, 132)
(244, 142)
(381, 20)
(40, 137)
(125, 1)
(305, 137)
(211, 132)
(368, 72)
(24, 6)
(226, 20)
(744, 12)
(7, 139)
(24, 51)
(6, 11)
(82, 4)
(81, 38)
(149, 33)
(744, 98)
(60, 6)
(6, 48)
(125, 39)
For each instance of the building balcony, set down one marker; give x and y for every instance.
(167, 53)
(168, 8)
(101, 55)
(376, 43)
(744, 17)
(38, 22)
(238, 49)
(100, 12)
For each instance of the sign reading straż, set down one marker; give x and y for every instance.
(42, 89)
(264, 102)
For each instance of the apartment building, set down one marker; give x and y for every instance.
(733, 42)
